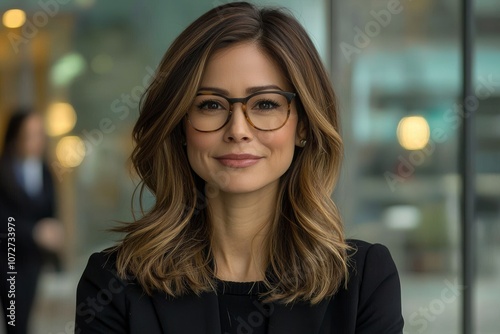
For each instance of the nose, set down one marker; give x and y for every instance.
(238, 129)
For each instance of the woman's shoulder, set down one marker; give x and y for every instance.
(373, 291)
(105, 300)
(101, 270)
(359, 249)
(369, 259)
(371, 301)
(103, 260)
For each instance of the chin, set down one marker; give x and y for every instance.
(251, 186)
(239, 189)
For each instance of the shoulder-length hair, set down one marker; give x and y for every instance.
(13, 131)
(168, 248)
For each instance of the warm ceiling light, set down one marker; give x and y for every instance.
(14, 18)
(70, 151)
(60, 119)
(413, 133)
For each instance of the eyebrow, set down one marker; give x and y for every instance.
(249, 90)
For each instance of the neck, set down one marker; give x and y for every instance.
(240, 225)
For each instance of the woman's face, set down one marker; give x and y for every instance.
(31, 140)
(239, 158)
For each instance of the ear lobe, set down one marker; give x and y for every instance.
(300, 133)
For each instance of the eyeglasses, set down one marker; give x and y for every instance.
(265, 111)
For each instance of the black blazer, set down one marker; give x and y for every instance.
(26, 210)
(371, 303)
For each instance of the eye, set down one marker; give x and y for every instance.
(267, 104)
(210, 105)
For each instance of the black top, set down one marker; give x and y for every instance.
(241, 309)
(371, 303)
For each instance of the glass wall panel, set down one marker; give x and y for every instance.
(485, 102)
(397, 71)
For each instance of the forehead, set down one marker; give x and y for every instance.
(242, 65)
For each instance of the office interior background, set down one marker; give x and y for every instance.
(396, 68)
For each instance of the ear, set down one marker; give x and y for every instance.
(300, 133)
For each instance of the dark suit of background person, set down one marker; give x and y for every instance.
(28, 204)
(370, 305)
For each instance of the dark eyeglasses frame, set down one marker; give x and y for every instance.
(243, 100)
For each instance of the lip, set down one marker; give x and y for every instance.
(238, 160)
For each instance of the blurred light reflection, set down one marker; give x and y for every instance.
(413, 133)
(70, 151)
(67, 68)
(60, 119)
(14, 18)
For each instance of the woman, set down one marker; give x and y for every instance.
(238, 139)
(27, 201)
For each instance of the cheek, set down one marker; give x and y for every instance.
(281, 143)
(198, 148)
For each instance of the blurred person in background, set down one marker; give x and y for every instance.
(27, 195)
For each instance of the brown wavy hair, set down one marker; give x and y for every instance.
(169, 247)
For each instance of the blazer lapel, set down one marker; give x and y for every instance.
(299, 318)
(188, 314)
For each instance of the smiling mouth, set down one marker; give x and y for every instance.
(238, 160)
